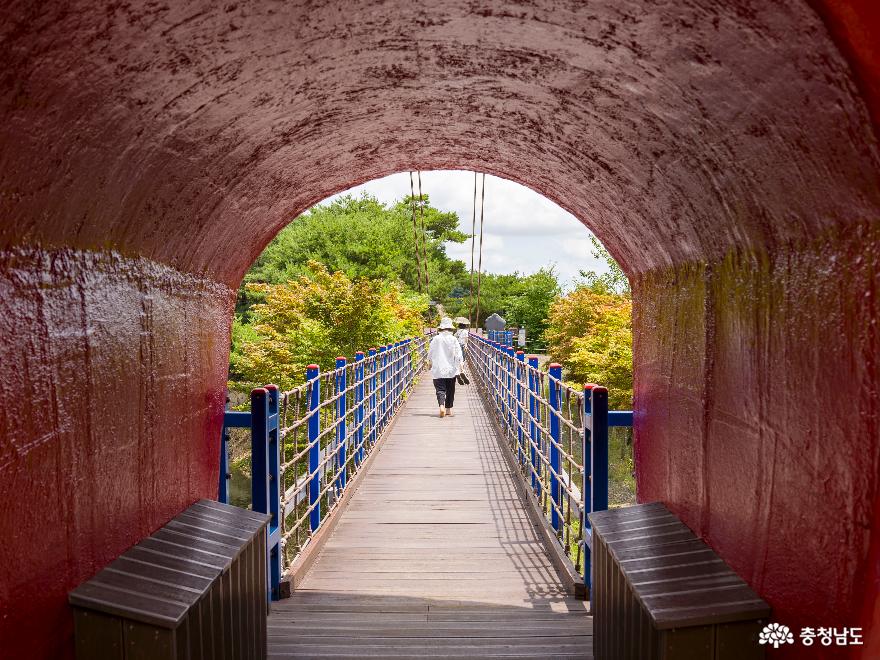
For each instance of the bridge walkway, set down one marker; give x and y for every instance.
(435, 556)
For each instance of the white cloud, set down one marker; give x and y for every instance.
(523, 231)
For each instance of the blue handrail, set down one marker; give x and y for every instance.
(308, 443)
(231, 419)
(562, 431)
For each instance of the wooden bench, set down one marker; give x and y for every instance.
(194, 589)
(660, 593)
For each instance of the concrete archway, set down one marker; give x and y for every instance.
(724, 152)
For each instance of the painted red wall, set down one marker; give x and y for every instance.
(110, 403)
(772, 455)
(724, 152)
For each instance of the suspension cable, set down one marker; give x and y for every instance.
(473, 238)
(480, 263)
(412, 204)
(424, 235)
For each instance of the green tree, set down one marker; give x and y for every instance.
(613, 281)
(362, 238)
(315, 318)
(590, 334)
(529, 304)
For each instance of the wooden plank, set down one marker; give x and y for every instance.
(416, 649)
(306, 559)
(98, 636)
(143, 642)
(403, 654)
(395, 628)
(435, 556)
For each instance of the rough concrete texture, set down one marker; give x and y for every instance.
(111, 404)
(724, 152)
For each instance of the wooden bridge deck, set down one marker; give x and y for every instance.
(434, 557)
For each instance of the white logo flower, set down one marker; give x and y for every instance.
(776, 634)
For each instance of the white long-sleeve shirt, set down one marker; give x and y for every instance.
(462, 336)
(445, 355)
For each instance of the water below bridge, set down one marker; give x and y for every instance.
(435, 556)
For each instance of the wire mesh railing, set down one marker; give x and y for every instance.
(559, 436)
(309, 442)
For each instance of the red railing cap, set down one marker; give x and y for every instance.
(341, 357)
(312, 366)
(554, 365)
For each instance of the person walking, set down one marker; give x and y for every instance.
(462, 334)
(446, 359)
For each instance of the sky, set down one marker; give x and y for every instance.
(523, 231)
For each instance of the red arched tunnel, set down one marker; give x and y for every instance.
(725, 152)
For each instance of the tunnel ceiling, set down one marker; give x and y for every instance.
(190, 133)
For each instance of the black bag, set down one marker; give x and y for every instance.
(462, 379)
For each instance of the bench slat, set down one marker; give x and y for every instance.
(657, 587)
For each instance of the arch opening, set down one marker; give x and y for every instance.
(725, 157)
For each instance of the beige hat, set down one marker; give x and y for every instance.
(446, 323)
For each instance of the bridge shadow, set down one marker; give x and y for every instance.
(435, 556)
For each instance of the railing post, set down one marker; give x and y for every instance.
(553, 388)
(533, 427)
(509, 367)
(398, 372)
(486, 365)
(408, 361)
(499, 400)
(374, 360)
(314, 426)
(341, 410)
(265, 480)
(520, 362)
(383, 388)
(587, 487)
(401, 371)
(599, 446)
(493, 372)
(223, 486)
(499, 380)
(392, 378)
(595, 453)
(359, 409)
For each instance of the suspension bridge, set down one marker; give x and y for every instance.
(380, 529)
(400, 533)
(727, 155)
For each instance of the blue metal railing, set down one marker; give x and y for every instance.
(558, 435)
(503, 337)
(231, 419)
(309, 442)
